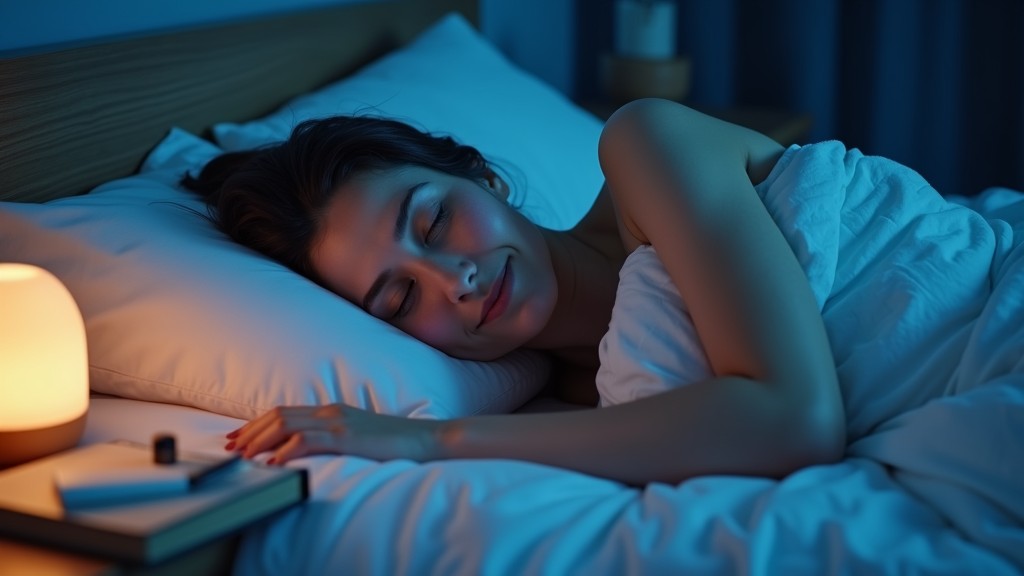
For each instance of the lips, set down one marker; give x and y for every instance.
(498, 299)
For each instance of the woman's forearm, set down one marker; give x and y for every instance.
(725, 425)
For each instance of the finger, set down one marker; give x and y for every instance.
(240, 438)
(279, 430)
(324, 411)
(273, 419)
(237, 435)
(258, 422)
(294, 447)
(272, 433)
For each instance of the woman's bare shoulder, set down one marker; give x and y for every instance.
(760, 150)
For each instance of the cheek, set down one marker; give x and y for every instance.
(481, 221)
(438, 329)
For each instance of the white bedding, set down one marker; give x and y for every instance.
(901, 276)
(505, 517)
(931, 483)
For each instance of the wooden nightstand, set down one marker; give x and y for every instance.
(783, 126)
(22, 559)
(55, 521)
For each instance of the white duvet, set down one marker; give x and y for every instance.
(922, 299)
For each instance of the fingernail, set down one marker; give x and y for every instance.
(232, 434)
(272, 461)
(230, 446)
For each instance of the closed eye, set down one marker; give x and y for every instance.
(407, 301)
(438, 225)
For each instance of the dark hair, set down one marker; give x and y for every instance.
(273, 199)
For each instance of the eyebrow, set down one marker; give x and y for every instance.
(400, 223)
(403, 210)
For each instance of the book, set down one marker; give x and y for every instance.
(141, 529)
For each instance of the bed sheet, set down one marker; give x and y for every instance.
(114, 418)
(505, 517)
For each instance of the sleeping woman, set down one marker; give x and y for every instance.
(418, 231)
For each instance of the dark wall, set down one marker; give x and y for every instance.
(934, 84)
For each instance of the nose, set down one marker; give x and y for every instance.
(455, 274)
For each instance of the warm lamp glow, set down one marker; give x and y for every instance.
(44, 373)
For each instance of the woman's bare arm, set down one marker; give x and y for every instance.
(680, 182)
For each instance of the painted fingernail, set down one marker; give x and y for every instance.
(232, 434)
(230, 446)
(272, 461)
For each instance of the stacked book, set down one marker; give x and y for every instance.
(113, 501)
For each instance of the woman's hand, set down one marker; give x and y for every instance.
(295, 431)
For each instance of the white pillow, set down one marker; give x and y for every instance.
(176, 312)
(452, 81)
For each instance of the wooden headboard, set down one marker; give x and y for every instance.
(74, 118)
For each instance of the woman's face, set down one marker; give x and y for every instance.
(442, 258)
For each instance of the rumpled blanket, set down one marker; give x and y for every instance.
(923, 301)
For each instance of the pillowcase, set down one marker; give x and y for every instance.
(452, 81)
(176, 312)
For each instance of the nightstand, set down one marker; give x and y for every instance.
(22, 559)
(783, 126)
(190, 524)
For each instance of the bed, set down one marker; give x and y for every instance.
(190, 333)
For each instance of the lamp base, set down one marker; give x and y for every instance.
(20, 446)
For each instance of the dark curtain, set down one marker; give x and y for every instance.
(933, 84)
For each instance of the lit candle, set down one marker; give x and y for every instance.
(645, 28)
